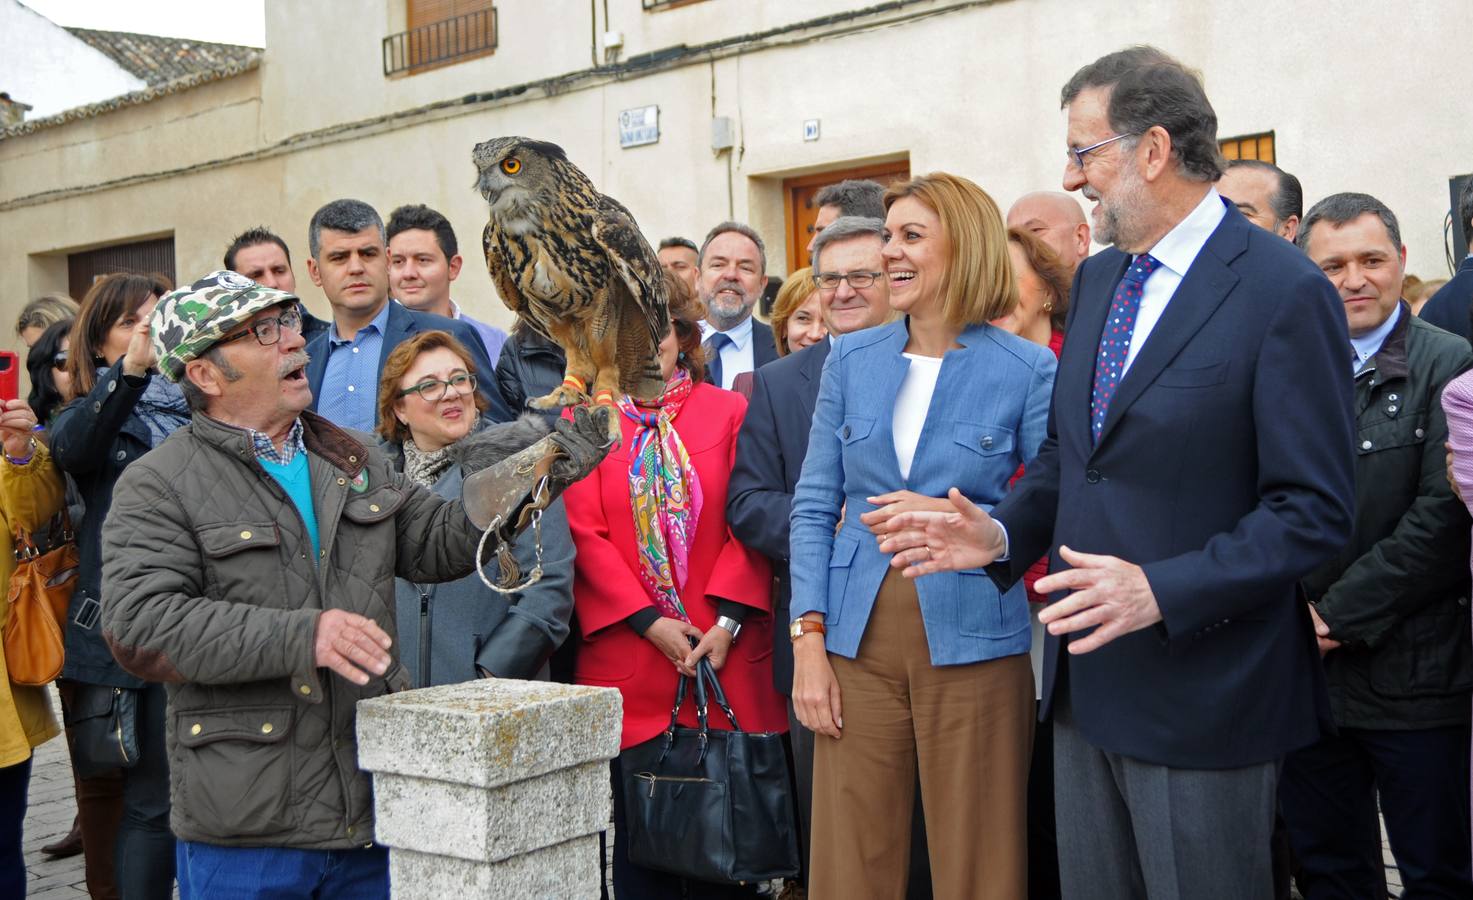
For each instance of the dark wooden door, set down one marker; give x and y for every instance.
(140, 258)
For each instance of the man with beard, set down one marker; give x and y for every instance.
(733, 265)
(1198, 465)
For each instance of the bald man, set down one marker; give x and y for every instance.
(1058, 220)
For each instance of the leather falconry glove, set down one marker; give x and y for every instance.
(504, 499)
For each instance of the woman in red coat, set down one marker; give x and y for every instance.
(656, 563)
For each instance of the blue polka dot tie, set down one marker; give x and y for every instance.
(1115, 341)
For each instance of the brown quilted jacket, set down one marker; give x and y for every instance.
(209, 586)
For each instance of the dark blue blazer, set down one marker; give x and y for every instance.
(404, 323)
(769, 458)
(1450, 307)
(1225, 469)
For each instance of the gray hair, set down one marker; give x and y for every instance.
(349, 216)
(843, 228)
(1150, 88)
(1288, 200)
(1337, 209)
(854, 197)
(744, 230)
(195, 398)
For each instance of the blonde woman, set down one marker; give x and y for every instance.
(893, 674)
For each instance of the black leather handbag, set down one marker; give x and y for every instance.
(710, 805)
(104, 724)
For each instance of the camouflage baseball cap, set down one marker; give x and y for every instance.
(189, 321)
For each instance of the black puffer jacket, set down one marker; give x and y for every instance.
(529, 367)
(93, 439)
(1397, 595)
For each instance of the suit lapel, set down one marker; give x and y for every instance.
(399, 326)
(809, 375)
(1207, 283)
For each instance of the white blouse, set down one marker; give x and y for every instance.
(911, 405)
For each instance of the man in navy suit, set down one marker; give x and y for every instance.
(1198, 465)
(733, 263)
(350, 263)
(1452, 305)
(853, 295)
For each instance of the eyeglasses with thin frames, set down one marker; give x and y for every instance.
(829, 281)
(268, 331)
(459, 384)
(1076, 156)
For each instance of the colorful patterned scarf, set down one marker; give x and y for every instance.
(665, 494)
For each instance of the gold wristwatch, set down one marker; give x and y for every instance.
(799, 627)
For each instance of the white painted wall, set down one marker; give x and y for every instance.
(42, 64)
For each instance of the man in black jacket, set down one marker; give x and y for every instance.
(1391, 610)
(1452, 305)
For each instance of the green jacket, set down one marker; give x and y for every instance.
(210, 587)
(1397, 595)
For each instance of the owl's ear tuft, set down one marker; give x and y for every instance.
(546, 148)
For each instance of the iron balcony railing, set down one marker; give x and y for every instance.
(459, 37)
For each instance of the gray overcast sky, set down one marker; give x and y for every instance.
(223, 21)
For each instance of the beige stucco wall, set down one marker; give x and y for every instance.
(974, 91)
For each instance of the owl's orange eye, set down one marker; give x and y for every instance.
(511, 165)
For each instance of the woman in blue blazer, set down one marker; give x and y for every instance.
(930, 673)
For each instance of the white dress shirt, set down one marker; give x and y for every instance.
(1175, 252)
(736, 357)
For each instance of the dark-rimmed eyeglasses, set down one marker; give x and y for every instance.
(829, 281)
(268, 330)
(1076, 156)
(433, 390)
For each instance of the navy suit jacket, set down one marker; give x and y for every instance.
(1224, 469)
(769, 459)
(1450, 308)
(403, 323)
(764, 350)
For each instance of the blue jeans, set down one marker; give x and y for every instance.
(210, 872)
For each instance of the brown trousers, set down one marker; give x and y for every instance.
(968, 727)
(100, 809)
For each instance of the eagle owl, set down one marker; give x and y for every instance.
(573, 265)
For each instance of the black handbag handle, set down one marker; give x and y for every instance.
(674, 715)
(707, 673)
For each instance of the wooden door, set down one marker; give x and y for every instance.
(141, 258)
(800, 211)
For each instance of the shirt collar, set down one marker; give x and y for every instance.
(739, 335)
(266, 450)
(1180, 245)
(380, 324)
(1369, 343)
(455, 312)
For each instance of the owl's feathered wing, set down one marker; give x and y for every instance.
(634, 262)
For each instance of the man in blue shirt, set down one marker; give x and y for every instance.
(349, 262)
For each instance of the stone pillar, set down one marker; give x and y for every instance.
(492, 788)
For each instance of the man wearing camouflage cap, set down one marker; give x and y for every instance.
(249, 565)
